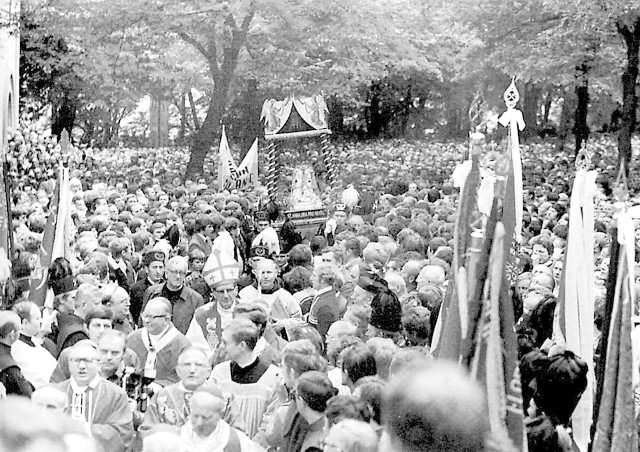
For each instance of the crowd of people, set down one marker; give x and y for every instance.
(183, 320)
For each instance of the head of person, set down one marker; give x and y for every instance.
(437, 408)
(111, 347)
(156, 316)
(431, 274)
(88, 297)
(121, 248)
(346, 407)
(239, 338)
(30, 317)
(266, 272)
(117, 299)
(256, 312)
(357, 362)
(299, 357)
(300, 256)
(84, 363)
(383, 351)
(376, 257)
(207, 405)
(26, 427)
(541, 251)
(386, 315)
(153, 262)
(97, 321)
(351, 249)
(408, 358)
(50, 398)
(313, 391)
(351, 435)
(416, 325)
(10, 327)
(359, 315)
(337, 330)
(64, 291)
(193, 368)
(371, 391)
(542, 284)
(327, 276)
(410, 271)
(175, 272)
(560, 386)
(157, 230)
(221, 273)
(161, 441)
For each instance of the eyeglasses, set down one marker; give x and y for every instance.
(223, 291)
(149, 318)
(196, 365)
(177, 272)
(83, 360)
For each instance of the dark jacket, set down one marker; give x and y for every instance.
(71, 331)
(11, 375)
(184, 304)
(137, 297)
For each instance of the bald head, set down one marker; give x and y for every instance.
(431, 274)
(159, 304)
(341, 328)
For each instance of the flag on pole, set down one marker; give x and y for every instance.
(231, 176)
(573, 319)
(226, 167)
(55, 240)
(5, 214)
(452, 323)
(616, 428)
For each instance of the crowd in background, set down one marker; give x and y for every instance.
(183, 320)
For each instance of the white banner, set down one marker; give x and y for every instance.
(232, 177)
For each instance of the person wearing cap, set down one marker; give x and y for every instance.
(184, 300)
(103, 406)
(221, 273)
(207, 431)
(153, 263)
(11, 376)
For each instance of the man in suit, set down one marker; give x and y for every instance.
(10, 374)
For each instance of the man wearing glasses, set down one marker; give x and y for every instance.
(96, 402)
(184, 300)
(158, 344)
(171, 406)
(221, 273)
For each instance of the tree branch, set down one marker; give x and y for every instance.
(193, 41)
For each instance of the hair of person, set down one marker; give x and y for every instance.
(197, 350)
(244, 330)
(115, 334)
(353, 244)
(305, 331)
(329, 275)
(345, 342)
(161, 441)
(408, 358)
(358, 361)
(346, 407)
(435, 408)
(118, 245)
(51, 394)
(300, 256)
(24, 309)
(166, 304)
(297, 279)
(43, 429)
(9, 322)
(302, 356)
(371, 391)
(99, 312)
(383, 351)
(255, 312)
(560, 386)
(318, 244)
(59, 268)
(416, 320)
(315, 388)
(356, 436)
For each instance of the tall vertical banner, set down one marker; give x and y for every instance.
(573, 319)
(55, 240)
(616, 428)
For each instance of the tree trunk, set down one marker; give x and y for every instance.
(194, 114)
(532, 94)
(63, 114)
(580, 127)
(182, 107)
(336, 116)
(222, 76)
(630, 31)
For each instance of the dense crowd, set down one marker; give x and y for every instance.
(183, 320)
